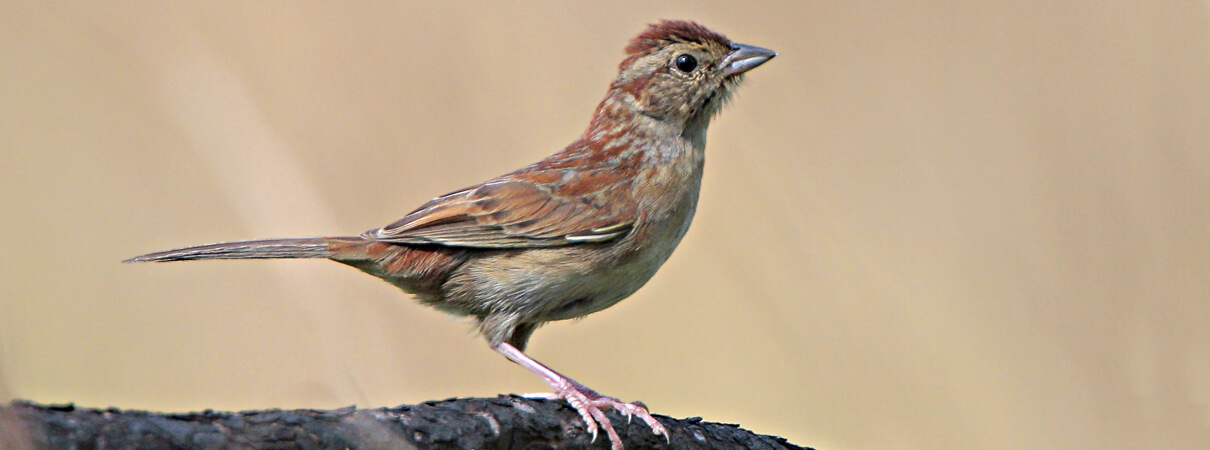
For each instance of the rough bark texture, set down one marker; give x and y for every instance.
(479, 423)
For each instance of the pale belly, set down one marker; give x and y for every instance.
(559, 283)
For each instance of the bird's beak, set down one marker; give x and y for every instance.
(744, 58)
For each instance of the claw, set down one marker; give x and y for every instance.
(587, 402)
(591, 405)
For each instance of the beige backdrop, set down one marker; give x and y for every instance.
(933, 224)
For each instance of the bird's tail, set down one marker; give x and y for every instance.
(259, 249)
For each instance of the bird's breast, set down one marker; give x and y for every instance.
(557, 283)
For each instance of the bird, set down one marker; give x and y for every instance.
(569, 235)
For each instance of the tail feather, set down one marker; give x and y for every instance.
(259, 249)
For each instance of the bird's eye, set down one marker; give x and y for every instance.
(686, 62)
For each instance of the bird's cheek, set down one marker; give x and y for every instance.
(665, 102)
(659, 106)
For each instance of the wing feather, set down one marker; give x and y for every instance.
(522, 210)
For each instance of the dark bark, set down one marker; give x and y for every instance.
(479, 423)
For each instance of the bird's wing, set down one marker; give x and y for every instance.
(523, 210)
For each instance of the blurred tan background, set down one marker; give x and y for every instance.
(925, 225)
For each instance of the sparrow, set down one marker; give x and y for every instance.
(566, 236)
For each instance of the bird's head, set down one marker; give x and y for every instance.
(680, 73)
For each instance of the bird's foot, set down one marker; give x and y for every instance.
(591, 404)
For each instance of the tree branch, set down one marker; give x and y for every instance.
(480, 423)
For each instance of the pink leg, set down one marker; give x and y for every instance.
(585, 401)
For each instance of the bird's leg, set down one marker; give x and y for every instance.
(585, 401)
